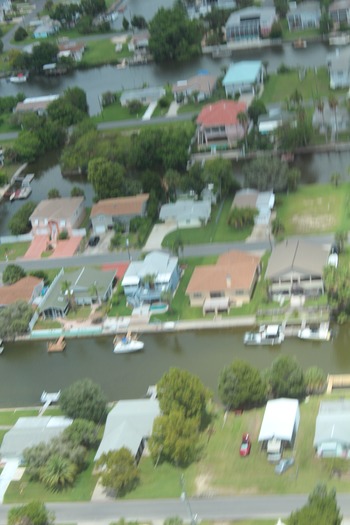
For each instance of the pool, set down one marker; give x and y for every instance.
(159, 308)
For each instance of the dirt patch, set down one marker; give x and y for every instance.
(203, 487)
(308, 223)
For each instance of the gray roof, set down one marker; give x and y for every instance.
(30, 431)
(81, 283)
(128, 423)
(333, 422)
(306, 7)
(150, 93)
(56, 209)
(186, 210)
(160, 264)
(298, 256)
(266, 14)
(281, 418)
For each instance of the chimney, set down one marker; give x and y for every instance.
(228, 281)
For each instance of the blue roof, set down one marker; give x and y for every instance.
(242, 72)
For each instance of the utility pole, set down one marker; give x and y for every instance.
(185, 499)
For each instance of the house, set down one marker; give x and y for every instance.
(268, 124)
(47, 28)
(332, 432)
(129, 424)
(339, 69)
(250, 23)
(85, 286)
(53, 216)
(218, 124)
(229, 282)
(304, 15)
(145, 281)
(262, 201)
(29, 432)
(144, 95)
(280, 424)
(5, 7)
(296, 268)
(340, 13)
(139, 42)
(75, 50)
(108, 212)
(186, 213)
(37, 105)
(26, 289)
(244, 77)
(202, 86)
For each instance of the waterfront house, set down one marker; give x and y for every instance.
(139, 42)
(85, 286)
(304, 15)
(340, 13)
(280, 424)
(332, 432)
(143, 95)
(47, 28)
(129, 424)
(228, 283)
(28, 432)
(269, 124)
(250, 23)
(53, 216)
(296, 268)
(145, 281)
(339, 69)
(107, 212)
(244, 77)
(74, 50)
(218, 124)
(200, 86)
(26, 289)
(263, 201)
(37, 105)
(186, 213)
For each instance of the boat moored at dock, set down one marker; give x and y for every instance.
(127, 344)
(321, 332)
(267, 335)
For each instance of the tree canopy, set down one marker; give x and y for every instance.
(336, 282)
(179, 390)
(287, 378)
(14, 319)
(173, 37)
(19, 222)
(33, 513)
(266, 173)
(321, 508)
(12, 274)
(106, 177)
(85, 400)
(119, 471)
(241, 386)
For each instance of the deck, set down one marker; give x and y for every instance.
(337, 381)
(57, 346)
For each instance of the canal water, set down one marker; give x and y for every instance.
(26, 369)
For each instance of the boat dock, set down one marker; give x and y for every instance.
(337, 381)
(48, 398)
(57, 346)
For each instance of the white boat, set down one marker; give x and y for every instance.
(53, 397)
(271, 334)
(127, 344)
(339, 40)
(18, 79)
(1, 346)
(317, 333)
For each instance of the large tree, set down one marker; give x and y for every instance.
(321, 508)
(85, 400)
(220, 173)
(106, 177)
(336, 282)
(241, 386)
(180, 390)
(43, 53)
(33, 513)
(82, 432)
(119, 471)
(14, 319)
(287, 378)
(12, 274)
(266, 173)
(173, 37)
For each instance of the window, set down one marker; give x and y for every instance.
(213, 295)
(197, 295)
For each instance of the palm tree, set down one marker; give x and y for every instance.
(178, 246)
(333, 103)
(149, 280)
(94, 291)
(320, 107)
(58, 473)
(67, 291)
(242, 118)
(296, 98)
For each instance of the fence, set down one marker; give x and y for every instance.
(11, 239)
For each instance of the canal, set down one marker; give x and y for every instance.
(26, 369)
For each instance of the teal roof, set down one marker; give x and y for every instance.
(242, 72)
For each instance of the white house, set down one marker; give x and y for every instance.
(332, 432)
(280, 424)
(186, 213)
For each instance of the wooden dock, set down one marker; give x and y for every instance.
(337, 381)
(57, 346)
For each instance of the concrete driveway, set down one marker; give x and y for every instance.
(159, 231)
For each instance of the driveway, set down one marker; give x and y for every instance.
(159, 231)
(7, 475)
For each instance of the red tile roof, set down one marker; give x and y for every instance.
(222, 113)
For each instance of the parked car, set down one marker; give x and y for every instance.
(245, 446)
(94, 240)
(284, 465)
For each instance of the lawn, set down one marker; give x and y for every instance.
(317, 208)
(217, 230)
(118, 306)
(279, 87)
(301, 33)
(99, 52)
(117, 112)
(9, 417)
(13, 250)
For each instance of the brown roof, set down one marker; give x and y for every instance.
(22, 290)
(201, 83)
(120, 206)
(71, 46)
(299, 256)
(233, 271)
(56, 209)
(222, 113)
(245, 199)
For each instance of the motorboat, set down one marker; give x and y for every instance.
(316, 333)
(342, 39)
(271, 334)
(50, 397)
(127, 344)
(300, 44)
(20, 78)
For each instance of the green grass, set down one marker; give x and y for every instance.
(279, 87)
(217, 230)
(9, 417)
(117, 112)
(300, 33)
(47, 324)
(13, 250)
(118, 306)
(24, 490)
(82, 312)
(317, 208)
(99, 52)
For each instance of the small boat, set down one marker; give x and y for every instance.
(52, 397)
(1, 346)
(299, 44)
(339, 39)
(315, 333)
(128, 343)
(57, 346)
(267, 335)
(21, 193)
(20, 78)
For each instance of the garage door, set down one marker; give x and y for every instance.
(100, 229)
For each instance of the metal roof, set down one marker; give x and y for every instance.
(280, 418)
(245, 72)
(333, 422)
(186, 210)
(159, 264)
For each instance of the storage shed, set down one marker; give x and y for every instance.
(332, 433)
(280, 424)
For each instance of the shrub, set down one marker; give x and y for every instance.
(20, 34)
(63, 235)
